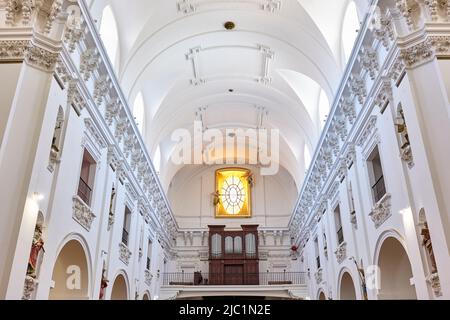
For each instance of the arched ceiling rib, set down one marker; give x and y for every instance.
(280, 56)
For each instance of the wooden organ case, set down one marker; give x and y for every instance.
(233, 256)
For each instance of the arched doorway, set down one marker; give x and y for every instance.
(395, 271)
(70, 274)
(146, 297)
(322, 296)
(347, 291)
(119, 289)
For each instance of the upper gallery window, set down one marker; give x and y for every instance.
(376, 176)
(109, 34)
(338, 224)
(350, 30)
(126, 226)
(139, 112)
(232, 196)
(87, 175)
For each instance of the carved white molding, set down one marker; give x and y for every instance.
(384, 94)
(124, 254)
(25, 50)
(367, 131)
(424, 43)
(26, 13)
(407, 156)
(101, 89)
(95, 133)
(418, 54)
(57, 51)
(341, 252)
(201, 76)
(74, 97)
(191, 6)
(435, 284)
(348, 109)
(384, 31)
(267, 55)
(29, 287)
(319, 276)
(368, 59)
(82, 213)
(89, 63)
(193, 55)
(148, 277)
(381, 211)
(75, 31)
(357, 87)
(186, 6)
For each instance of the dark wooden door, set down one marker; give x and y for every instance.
(234, 275)
(252, 272)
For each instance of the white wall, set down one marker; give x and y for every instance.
(190, 192)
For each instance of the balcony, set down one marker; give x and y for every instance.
(84, 192)
(272, 285)
(265, 278)
(379, 189)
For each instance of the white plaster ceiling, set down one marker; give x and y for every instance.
(279, 58)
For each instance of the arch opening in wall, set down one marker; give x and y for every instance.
(350, 29)
(146, 296)
(157, 160)
(347, 287)
(307, 156)
(109, 34)
(119, 289)
(395, 271)
(321, 296)
(70, 273)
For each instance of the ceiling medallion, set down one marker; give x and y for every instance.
(229, 25)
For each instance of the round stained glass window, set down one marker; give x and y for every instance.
(233, 195)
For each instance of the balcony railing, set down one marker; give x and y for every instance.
(148, 264)
(125, 237)
(84, 192)
(233, 255)
(340, 235)
(379, 189)
(202, 279)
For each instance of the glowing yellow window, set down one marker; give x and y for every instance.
(233, 193)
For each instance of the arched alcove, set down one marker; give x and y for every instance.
(157, 159)
(109, 34)
(350, 30)
(347, 288)
(139, 112)
(307, 157)
(395, 271)
(119, 288)
(146, 296)
(322, 296)
(70, 273)
(324, 108)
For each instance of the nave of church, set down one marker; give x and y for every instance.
(224, 149)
